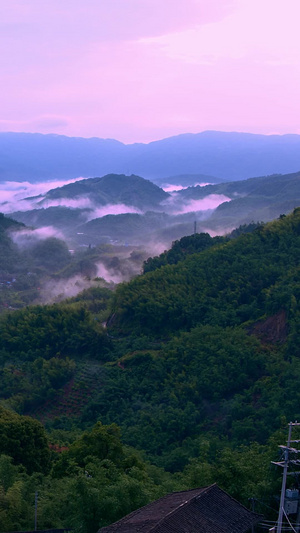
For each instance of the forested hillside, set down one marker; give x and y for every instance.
(222, 326)
(112, 188)
(194, 365)
(37, 268)
(122, 210)
(225, 285)
(256, 199)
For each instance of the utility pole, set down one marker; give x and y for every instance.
(252, 500)
(285, 469)
(288, 453)
(35, 510)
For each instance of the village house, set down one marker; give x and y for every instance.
(203, 510)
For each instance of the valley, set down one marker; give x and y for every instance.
(148, 339)
(149, 266)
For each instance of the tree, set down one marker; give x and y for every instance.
(24, 439)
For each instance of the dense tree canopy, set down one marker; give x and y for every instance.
(24, 439)
(198, 370)
(49, 331)
(225, 285)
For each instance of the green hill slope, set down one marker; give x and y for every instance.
(204, 347)
(9, 255)
(112, 189)
(258, 199)
(199, 366)
(207, 347)
(225, 285)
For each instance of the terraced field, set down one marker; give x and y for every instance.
(75, 394)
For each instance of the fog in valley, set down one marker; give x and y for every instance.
(107, 227)
(115, 249)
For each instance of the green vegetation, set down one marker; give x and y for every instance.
(113, 188)
(225, 285)
(52, 331)
(9, 253)
(93, 482)
(192, 382)
(180, 249)
(30, 272)
(24, 439)
(36, 347)
(160, 218)
(263, 198)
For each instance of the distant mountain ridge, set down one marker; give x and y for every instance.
(227, 155)
(112, 188)
(131, 209)
(254, 199)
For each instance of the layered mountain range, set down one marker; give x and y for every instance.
(120, 208)
(196, 359)
(226, 155)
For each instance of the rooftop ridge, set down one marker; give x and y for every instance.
(155, 502)
(209, 507)
(202, 491)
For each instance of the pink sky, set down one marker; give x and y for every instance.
(140, 70)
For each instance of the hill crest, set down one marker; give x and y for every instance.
(227, 155)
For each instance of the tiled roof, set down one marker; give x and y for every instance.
(204, 510)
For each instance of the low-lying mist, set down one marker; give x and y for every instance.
(168, 187)
(112, 250)
(175, 205)
(21, 196)
(27, 238)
